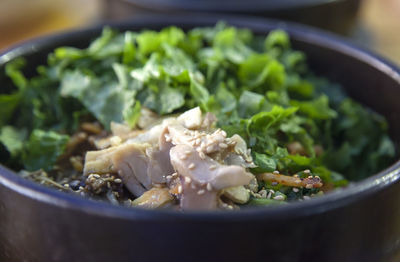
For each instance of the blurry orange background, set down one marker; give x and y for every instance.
(377, 28)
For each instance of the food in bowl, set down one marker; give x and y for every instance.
(212, 118)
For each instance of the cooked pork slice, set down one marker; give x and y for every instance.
(133, 155)
(208, 143)
(154, 198)
(159, 165)
(153, 134)
(191, 119)
(197, 197)
(99, 162)
(188, 163)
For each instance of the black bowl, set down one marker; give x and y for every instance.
(359, 223)
(335, 15)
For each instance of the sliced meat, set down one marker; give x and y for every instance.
(200, 140)
(191, 119)
(187, 162)
(197, 197)
(154, 198)
(133, 155)
(159, 165)
(126, 172)
(99, 162)
(152, 135)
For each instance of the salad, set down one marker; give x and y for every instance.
(211, 118)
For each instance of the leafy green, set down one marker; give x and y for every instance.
(13, 139)
(265, 202)
(43, 149)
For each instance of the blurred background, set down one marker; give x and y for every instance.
(375, 24)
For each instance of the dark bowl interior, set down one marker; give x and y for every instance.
(359, 223)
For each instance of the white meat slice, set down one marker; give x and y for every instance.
(197, 197)
(191, 119)
(99, 162)
(132, 160)
(187, 162)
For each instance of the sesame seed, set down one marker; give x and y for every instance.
(276, 172)
(307, 171)
(296, 175)
(297, 181)
(168, 178)
(198, 141)
(96, 175)
(223, 145)
(183, 157)
(174, 174)
(202, 155)
(188, 180)
(295, 189)
(212, 167)
(188, 152)
(209, 187)
(66, 185)
(118, 180)
(180, 189)
(200, 192)
(192, 166)
(223, 133)
(309, 186)
(310, 177)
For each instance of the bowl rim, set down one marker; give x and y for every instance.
(356, 191)
(234, 6)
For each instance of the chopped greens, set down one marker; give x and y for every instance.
(294, 122)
